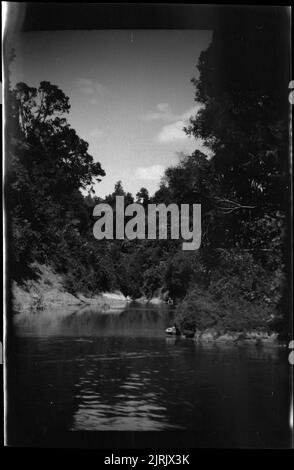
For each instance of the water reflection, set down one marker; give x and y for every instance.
(118, 371)
(133, 320)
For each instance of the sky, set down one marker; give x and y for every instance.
(130, 94)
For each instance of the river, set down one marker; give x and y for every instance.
(118, 371)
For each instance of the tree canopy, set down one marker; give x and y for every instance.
(238, 276)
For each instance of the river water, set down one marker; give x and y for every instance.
(117, 371)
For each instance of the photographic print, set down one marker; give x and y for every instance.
(147, 227)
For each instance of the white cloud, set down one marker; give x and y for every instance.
(191, 112)
(164, 112)
(150, 173)
(93, 88)
(172, 133)
(163, 107)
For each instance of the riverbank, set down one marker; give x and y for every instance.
(220, 336)
(205, 317)
(236, 336)
(47, 291)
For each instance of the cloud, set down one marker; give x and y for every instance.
(164, 112)
(92, 88)
(150, 173)
(172, 133)
(191, 112)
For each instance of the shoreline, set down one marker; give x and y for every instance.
(238, 337)
(48, 292)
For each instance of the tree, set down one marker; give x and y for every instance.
(142, 197)
(119, 191)
(48, 164)
(56, 151)
(242, 86)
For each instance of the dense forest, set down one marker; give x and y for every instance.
(238, 279)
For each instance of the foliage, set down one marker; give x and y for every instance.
(237, 279)
(243, 120)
